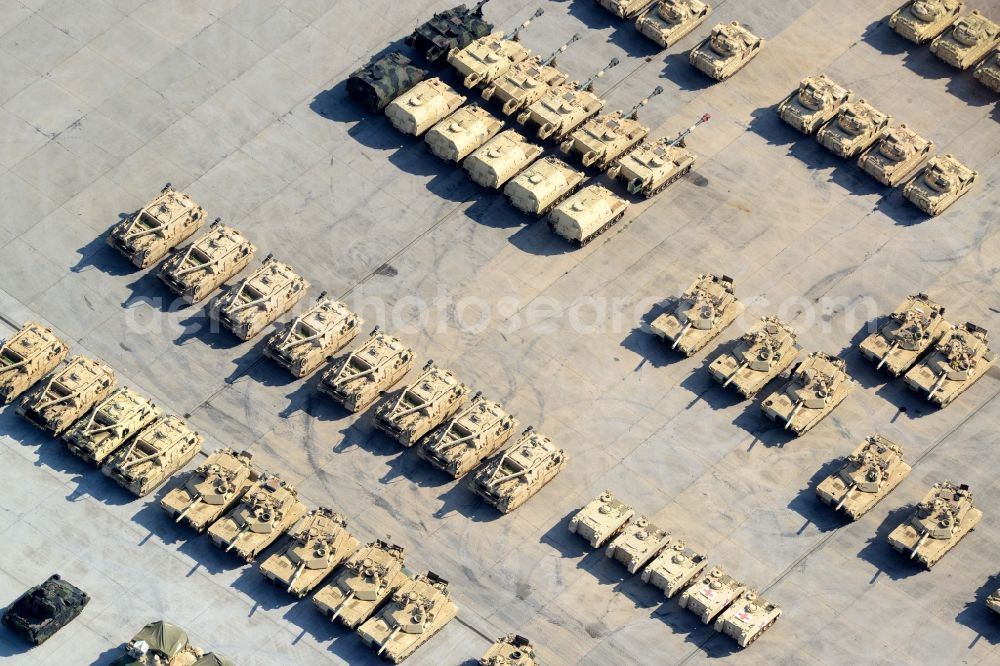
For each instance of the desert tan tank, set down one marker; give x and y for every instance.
(356, 380)
(250, 306)
(511, 478)
(674, 568)
(502, 158)
(958, 361)
(749, 617)
(650, 168)
(988, 71)
(857, 126)
(267, 510)
(31, 353)
(488, 58)
(307, 341)
(939, 184)
(638, 543)
(817, 101)
(601, 519)
(211, 489)
(542, 186)
(464, 441)
(970, 38)
(510, 650)
(895, 156)
(153, 455)
(819, 384)
(763, 353)
(916, 325)
(463, 132)
(434, 397)
(206, 264)
(423, 106)
(939, 522)
(921, 21)
(319, 544)
(602, 140)
(67, 394)
(365, 581)
(625, 8)
(563, 108)
(669, 21)
(711, 595)
(526, 82)
(110, 424)
(703, 311)
(868, 475)
(587, 214)
(148, 234)
(993, 601)
(727, 50)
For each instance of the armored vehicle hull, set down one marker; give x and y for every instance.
(763, 353)
(587, 214)
(368, 578)
(895, 156)
(601, 519)
(356, 380)
(711, 595)
(702, 313)
(490, 57)
(541, 187)
(959, 360)
(212, 489)
(434, 397)
(157, 452)
(511, 478)
(674, 568)
(249, 307)
(940, 521)
(67, 394)
(988, 71)
(523, 85)
(728, 50)
(384, 79)
(451, 29)
(748, 618)
(267, 510)
(601, 141)
(510, 650)
(426, 104)
(970, 38)
(560, 110)
(30, 354)
(625, 8)
(318, 546)
(817, 101)
(669, 21)
(818, 385)
(206, 264)
(45, 609)
(501, 159)
(638, 543)
(110, 424)
(460, 134)
(148, 234)
(916, 325)
(310, 339)
(920, 21)
(649, 169)
(868, 476)
(939, 184)
(857, 126)
(473, 434)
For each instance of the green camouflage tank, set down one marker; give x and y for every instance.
(453, 28)
(383, 80)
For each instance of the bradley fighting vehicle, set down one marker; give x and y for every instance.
(604, 139)
(749, 617)
(44, 609)
(67, 394)
(110, 424)
(651, 167)
(423, 106)
(819, 384)
(857, 126)
(502, 158)
(563, 108)
(307, 341)
(970, 38)
(922, 20)
(939, 522)
(939, 184)
(625, 8)
(868, 475)
(383, 80)
(27, 356)
(959, 360)
(674, 568)
(542, 186)
(916, 325)
(457, 136)
(511, 478)
(422, 406)
(727, 50)
(463, 442)
(211, 489)
(267, 510)
(206, 264)
(817, 101)
(711, 594)
(364, 582)
(895, 156)
(587, 214)
(638, 543)
(357, 379)
(703, 311)
(490, 57)
(601, 519)
(249, 307)
(318, 546)
(510, 650)
(153, 455)
(454, 28)
(988, 71)
(525, 82)
(150, 232)
(670, 21)
(763, 353)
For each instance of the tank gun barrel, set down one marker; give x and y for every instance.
(920, 542)
(232, 542)
(295, 575)
(885, 358)
(589, 83)
(478, 9)
(552, 58)
(937, 384)
(384, 644)
(340, 606)
(847, 495)
(794, 413)
(677, 340)
(744, 363)
(680, 137)
(515, 33)
(180, 516)
(634, 111)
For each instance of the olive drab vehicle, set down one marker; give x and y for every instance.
(921, 21)
(148, 234)
(211, 489)
(490, 57)
(625, 8)
(749, 617)
(637, 544)
(542, 186)
(727, 50)
(711, 594)
(159, 643)
(502, 158)
(267, 510)
(601, 519)
(383, 80)
(939, 184)
(44, 609)
(31, 353)
(651, 167)
(674, 568)
(587, 214)
(457, 136)
(703, 311)
(857, 126)
(250, 306)
(476, 432)
(817, 100)
(563, 108)
(110, 424)
(356, 380)
(867, 476)
(760, 355)
(454, 28)
(318, 545)
(895, 156)
(307, 341)
(365, 581)
(423, 106)
(604, 139)
(939, 522)
(958, 361)
(67, 394)
(512, 477)
(669, 21)
(970, 38)
(525, 82)
(817, 386)
(196, 271)
(434, 397)
(510, 650)
(153, 455)
(916, 325)
(988, 71)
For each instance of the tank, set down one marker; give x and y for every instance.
(525, 82)
(895, 156)
(988, 71)
(384, 79)
(159, 643)
(454, 28)
(464, 441)
(760, 355)
(867, 476)
(601, 519)
(31, 353)
(819, 384)
(306, 342)
(44, 609)
(356, 380)
(110, 424)
(587, 214)
(749, 617)
(153, 455)
(490, 57)
(916, 325)
(258, 300)
(67, 394)
(457, 136)
(435, 396)
(418, 610)
(650, 168)
(542, 186)
(603, 140)
(817, 101)
(970, 38)
(921, 21)
(674, 568)
(703, 311)
(203, 267)
(958, 361)
(511, 478)
(423, 106)
(369, 577)
(211, 489)
(939, 522)
(146, 235)
(625, 8)
(993, 601)
(638, 543)
(510, 650)
(939, 184)
(267, 510)
(563, 108)
(318, 545)
(711, 594)
(857, 126)
(727, 50)
(502, 158)
(669, 21)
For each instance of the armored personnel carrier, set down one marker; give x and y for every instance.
(463, 442)
(670, 21)
(857, 126)
(650, 168)
(511, 478)
(356, 380)
(525, 82)
(703, 311)
(542, 186)
(490, 57)
(819, 384)
(148, 234)
(434, 397)
(603, 140)
(817, 101)
(970, 38)
(868, 475)
(206, 264)
(625, 8)
(674, 568)
(211, 489)
(939, 184)
(267, 510)
(383, 80)
(587, 214)
(318, 546)
(366, 580)
(457, 136)
(916, 325)
(30, 354)
(159, 643)
(711, 595)
(563, 108)
(153, 455)
(502, 158)
(601, 519)
(988, 71)
(307, 341)
(454, 28)
(68, 394)
(895, 156)
(426, 104)
(638, 543)
(763, 353)
(510, 650)
(921, 21)
(958, 361)
(110, 424)
(749, 617)
(44, 609)
(939, 522)
(257, 301)
(993, 601)
(727, 50)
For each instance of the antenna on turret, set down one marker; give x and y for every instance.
(589, 83)
(634, 113)
(513, 34)
(680, 137)
(552, 58)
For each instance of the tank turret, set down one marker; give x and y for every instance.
(703, 311)
(510, 650)
(726, 51)
(760, 355)
(959, 360)
(939, 522)
(268, 509)
(369, 577)
(921, 21)
(490, 57)
(667, 22)
(916, 325)
(601, 519)
(817, 100)
(318, 545)
(868, 475)
(454, 28)
(650, 168)
(211, 489)
(817, 386)
(603, 140)
(857, 126)
(969, 39)
(563, 108)
(525, 82)
(895, 156)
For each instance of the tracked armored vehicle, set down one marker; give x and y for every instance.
(939, 184)
(67, 394)
(510, 650)
(670, 21)
(895, 156)
(110, 424)
(988, 71)
(490, 57)
(638, 543)
(45, 609)
(356, 380)
(452, 29)
(159, 643)
(384, 79)
(817, 101)
(958, 361)
(916, 325)
(819, 384)
(587, 214)
(502, 158)
(939, 522)
(319, 544)
(674, 568)
(748, 618)
(31, 353)
(970, 38)
(541, 187)
(563, 108)
(366, 580)
(921, 21)
(206, 264)
(211, 489)
(625, 8)
(423, 106)
(857, 126)
(728, 50)
(868, 475)
(763, 353)
(457, 136)
(711, 595)
(258, 300)
(650, 168)
(603, 140)
(993, 601)
(601, 519)
(703, 311)
(146, 235)
(307, 341)
(511, 478)
(267, 510)
(473, 434)
(525, 82)
(153, 455)
(434, 397)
